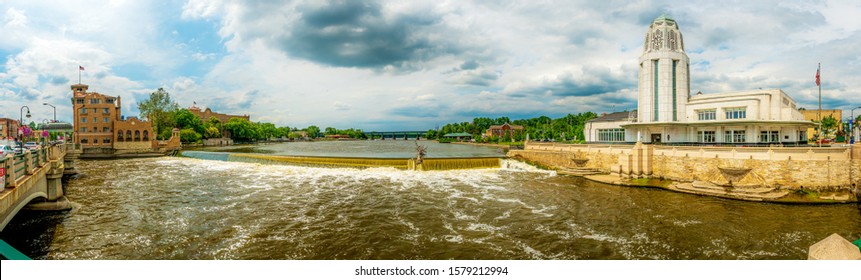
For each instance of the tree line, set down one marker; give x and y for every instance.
(567, 128)
(165, 115)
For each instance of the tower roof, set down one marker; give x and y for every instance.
(664, 17)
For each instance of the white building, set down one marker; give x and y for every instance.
(667, 113)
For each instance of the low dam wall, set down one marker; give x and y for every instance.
(790, 168)
(427, 164)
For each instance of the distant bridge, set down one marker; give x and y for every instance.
(396, 134)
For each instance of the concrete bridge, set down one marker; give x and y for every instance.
(34, 178)
(396, 134)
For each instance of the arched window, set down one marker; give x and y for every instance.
(146, 135)
(137, 135)
(119, 135)
(128, 135)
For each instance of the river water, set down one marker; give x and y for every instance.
(184, 208)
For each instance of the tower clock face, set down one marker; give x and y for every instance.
(657, 40)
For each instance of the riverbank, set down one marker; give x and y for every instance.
(782, 175)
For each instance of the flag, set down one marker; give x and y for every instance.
(817, 76)
(82, 68)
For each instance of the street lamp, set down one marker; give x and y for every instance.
(21, 122)
(852, 120)
(55, 111)
(21, 118)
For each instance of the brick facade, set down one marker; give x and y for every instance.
(8, 128)
(94, 117)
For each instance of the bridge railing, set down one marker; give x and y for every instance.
(17, 166)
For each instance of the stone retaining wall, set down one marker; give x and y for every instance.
(786, 168)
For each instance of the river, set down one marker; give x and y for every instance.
(185, 208)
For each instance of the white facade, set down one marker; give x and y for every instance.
(667, 113)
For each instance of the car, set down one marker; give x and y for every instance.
(6, 150)
(30, 145)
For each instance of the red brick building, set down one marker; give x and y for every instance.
(99, 123)
(208, 113)
(8, 128)
(502, 130)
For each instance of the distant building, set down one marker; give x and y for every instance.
(100, 128)
(817, 115)
(503, 130)
(208, 113)
(8, 128)
(205, 115)
(668, 113)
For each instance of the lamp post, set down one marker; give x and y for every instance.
(55, 111)
(21, 123)
(852, 120)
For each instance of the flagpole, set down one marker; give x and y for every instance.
(819, 83)
(79, 74)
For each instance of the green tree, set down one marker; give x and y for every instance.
(159, 109)
(829, 124)
(313, 131)
(188, 135)
(211, 132)
(242, 129)
(186, 119)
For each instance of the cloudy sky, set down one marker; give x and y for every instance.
(412, 65)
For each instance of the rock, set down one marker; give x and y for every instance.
(834, 247)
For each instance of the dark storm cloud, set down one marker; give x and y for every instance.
(469, 65)
(356, 34)
(593, 81)
(481, 78)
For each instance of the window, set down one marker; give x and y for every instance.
(83, 110)
(83, 129)
(137, 135)
(109, 100)
(83, 120)
(95, 101)
(105, 111)
(95, 140)
(106, 120)
(706, 115)
(736, 113)
(106, 129)
(128, 135)
(769, 136)
(655, 92)
(84, 141)
(802, 136)
(611, 135)
(107, 141)
(675, 64)
(706, 136)
(79, 101)
(119, 136)
(734, 136)
(146, 135)
(95, 120)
